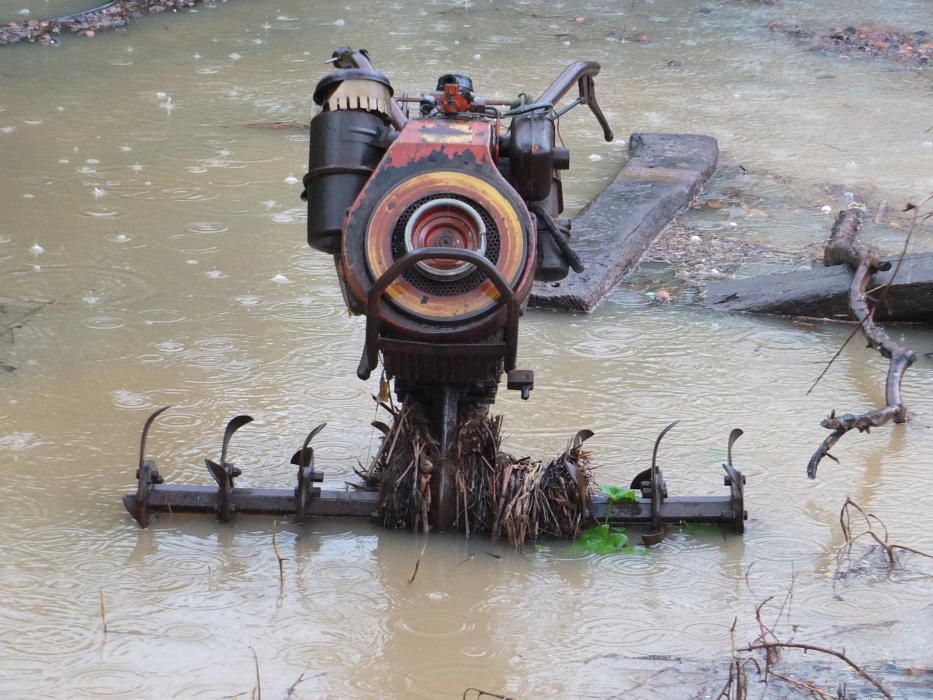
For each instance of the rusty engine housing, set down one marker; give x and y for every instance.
(384, 191)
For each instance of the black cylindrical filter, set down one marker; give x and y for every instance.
(346, 145)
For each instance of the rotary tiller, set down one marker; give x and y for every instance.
(439, 212)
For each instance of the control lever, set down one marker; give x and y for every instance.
(588, 97)
(581, 73)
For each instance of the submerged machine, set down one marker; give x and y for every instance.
(439, 211)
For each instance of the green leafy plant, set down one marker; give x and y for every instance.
(605, 539)
(602, 539)
(617, 494)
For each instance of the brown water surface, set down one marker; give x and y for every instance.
(155, 245)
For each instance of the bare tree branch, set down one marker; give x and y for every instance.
(843, 248)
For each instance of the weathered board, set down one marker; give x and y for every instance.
(663, 174)
(823, 292)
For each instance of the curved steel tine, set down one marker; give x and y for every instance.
(657, 490)
(304, 454)
(216, 471)
(657, 442)
(733, 436)
(581, 437)
(381, 427)
(235, 424)
(224, 487)
(576, 474)
(149, 421)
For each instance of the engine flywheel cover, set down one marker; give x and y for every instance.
(445, 222)
(446, 208)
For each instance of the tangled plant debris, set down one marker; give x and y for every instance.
(499, 494)
(698, 257)
(764, 654)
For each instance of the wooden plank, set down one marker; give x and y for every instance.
(663, 174)
(823, 293)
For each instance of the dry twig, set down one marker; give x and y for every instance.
(298, 681)
(889, 548)
(279, 558)
(258, 688)
(482, 694)
(811, 689)
(414, 573)
(103, 611)
(768, 641)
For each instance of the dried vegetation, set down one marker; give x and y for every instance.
(516, 498)
(869, 528)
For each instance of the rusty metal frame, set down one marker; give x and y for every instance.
(307, 500)
(370, 358)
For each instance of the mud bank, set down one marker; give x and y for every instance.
(111, 15)
(866, 41)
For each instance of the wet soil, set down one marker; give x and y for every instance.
(111, 15)
(866, 41)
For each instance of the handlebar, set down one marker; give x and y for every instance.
(582, 73)
(579, 72)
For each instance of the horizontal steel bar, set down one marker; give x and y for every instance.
(694, 509)
(185, 498)
(188, 498)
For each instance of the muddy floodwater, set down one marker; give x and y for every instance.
(152, 252)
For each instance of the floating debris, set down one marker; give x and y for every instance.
(694, 260)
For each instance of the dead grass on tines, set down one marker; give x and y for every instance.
(499, 494)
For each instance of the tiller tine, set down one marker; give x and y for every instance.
(307, 477)
(146, 476)
(735, 480)
(138, 504)
(224, 473)
(656, 490)
(579, 478)
(656, 508)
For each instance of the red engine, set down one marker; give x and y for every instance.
(439, 224)
(384, 191)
